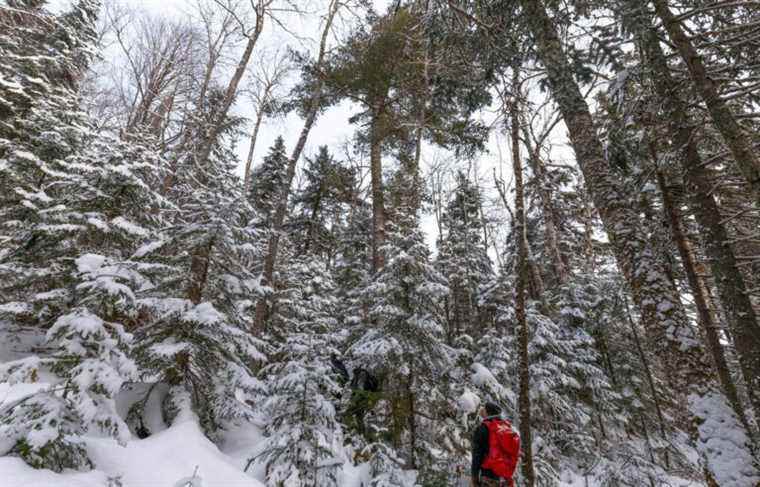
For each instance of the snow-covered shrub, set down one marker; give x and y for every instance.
(85, 370)
(199, 351)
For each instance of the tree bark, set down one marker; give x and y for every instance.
(728, 278)
(314, 213)
(412, 422)
(252, 148)
(669, 333)
(698, 288)
(199, 264)
(376, 171)
(200, 256)
(261, 313)
(588, 235)
(232, 87)
(737, 141)
(523, 276)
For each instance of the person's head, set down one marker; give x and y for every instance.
(490, 409)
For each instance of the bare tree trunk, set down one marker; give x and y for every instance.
(252, 147)
(310, 234)
(424, 96)
(199, 264)
(378, 205)
(738, 142)
(588, 236)
(200, 256)
(412, 423)
(158, 120)
(669, 333)
(232, 87)
(282, 204)
(523, 275)
(728, 278)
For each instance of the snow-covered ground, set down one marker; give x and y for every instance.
(176, 456)
(160, 460)
(168, 458)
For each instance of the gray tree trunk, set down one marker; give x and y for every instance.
(728, 278)
(376, 172)
(261, 313)
(523, 277)
(670, 336)
(738, 142)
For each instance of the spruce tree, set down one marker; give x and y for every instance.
(463, 258)
(72, 222)
(305, 437)
(329, 188)
(404, 328)
(267, 181)
(196, 332)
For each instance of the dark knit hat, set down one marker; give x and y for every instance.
(492, 409)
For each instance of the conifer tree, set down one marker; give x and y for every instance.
(68, 268)
(682, 354)
(381, 67)
(403, 327)
(196, 332)
(463, 258)
(329, 188)
(267, 181)
(305, 438)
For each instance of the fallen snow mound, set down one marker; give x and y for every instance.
(157, 461)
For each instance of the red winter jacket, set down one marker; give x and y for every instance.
(495, 449)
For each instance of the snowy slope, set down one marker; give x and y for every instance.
(160, 460)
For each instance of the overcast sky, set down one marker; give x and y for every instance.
(332, 128)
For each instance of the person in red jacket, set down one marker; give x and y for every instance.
(495, 449)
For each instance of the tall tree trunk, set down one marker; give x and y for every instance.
(376, 171)
(261, 312)
(523, 276)
(310, 233)
(698, 288)
(412, 422)
(423, 98)
(588, 235)
(661, 244)
(729, 280)
(670, 335)
(252, 148)
(232, 87)
(738, 142)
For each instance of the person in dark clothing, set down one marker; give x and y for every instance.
(339, 368)
(364, 380)
(495, 450)
(364, 395)
(479, 474)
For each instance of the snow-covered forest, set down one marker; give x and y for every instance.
(551, 205)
